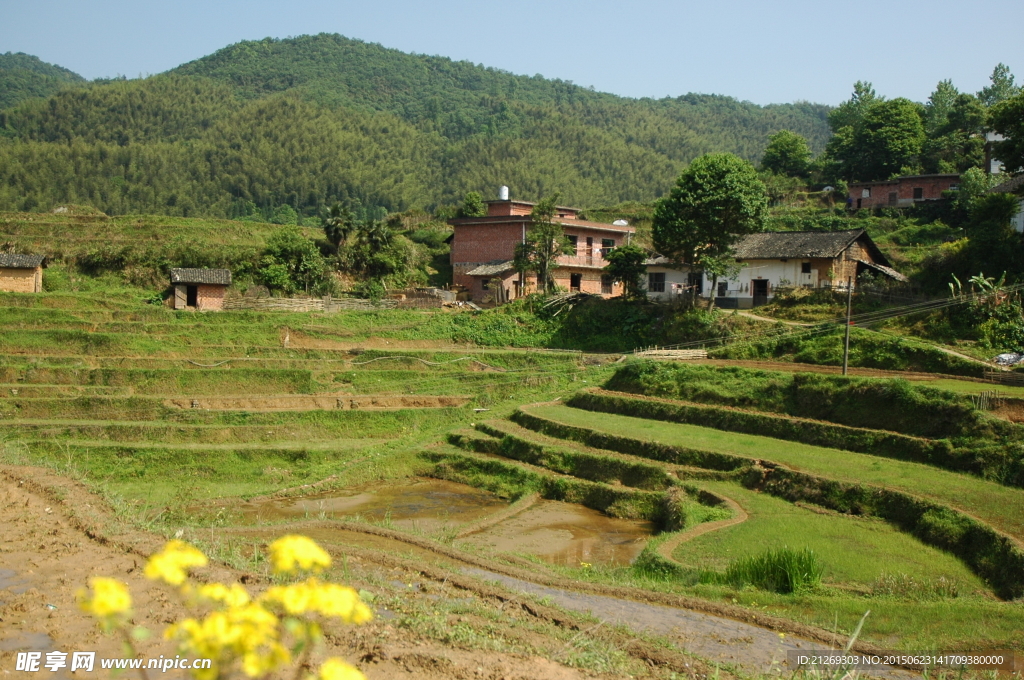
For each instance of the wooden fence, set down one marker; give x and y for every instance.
(326, 304)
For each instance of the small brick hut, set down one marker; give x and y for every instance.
(21, 273)
(200, 289)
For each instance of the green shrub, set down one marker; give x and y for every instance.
(781, 570)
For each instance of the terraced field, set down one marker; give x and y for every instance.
(895, 536)
(239, 426)
(165, 408)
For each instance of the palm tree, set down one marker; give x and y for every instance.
(338, 225)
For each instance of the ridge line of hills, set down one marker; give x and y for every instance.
(316, 119)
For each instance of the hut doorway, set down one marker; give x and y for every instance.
(759, 287)
(192, 296)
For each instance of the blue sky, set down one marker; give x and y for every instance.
(764, 52)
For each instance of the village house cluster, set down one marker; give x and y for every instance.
(483, 250)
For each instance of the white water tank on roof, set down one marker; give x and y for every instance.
(620, 223)
(503, 193)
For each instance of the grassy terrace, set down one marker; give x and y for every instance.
(856, 550)
(999, 506)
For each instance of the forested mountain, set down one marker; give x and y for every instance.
(23, 76)
(316, 119)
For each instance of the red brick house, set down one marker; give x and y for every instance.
(200, 289)
(482, 249)
(901, 191)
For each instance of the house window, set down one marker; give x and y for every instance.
(485, 284)
(723, 288)
(572, 244)
(918, 193)
(894, 198)
(656, 282)
(606, 285)
(607, 245)
(865, 193)
(805, 268)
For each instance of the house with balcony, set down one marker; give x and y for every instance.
(483, 248)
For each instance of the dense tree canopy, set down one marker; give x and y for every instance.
(23, 76)
(1008, 120)
(787, 154)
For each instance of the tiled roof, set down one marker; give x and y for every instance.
(882, 269)
(221, 277)
(658, 261)
(492, 268)
(771, 245)
(15, 261)
(1010, 186)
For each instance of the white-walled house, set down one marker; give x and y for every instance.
(780, 259)
(667, 280)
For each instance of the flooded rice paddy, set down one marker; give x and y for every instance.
(424, 504)
(560, 533)
(568, 534)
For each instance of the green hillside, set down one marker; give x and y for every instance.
(23, 76)
(316, 119)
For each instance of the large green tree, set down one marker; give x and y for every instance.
(875, 138)
(1000, 88)
(1007, 118)
(715, 201)
(787, 154)
(889, 139)
(545, 241)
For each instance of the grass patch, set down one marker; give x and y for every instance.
(856, 551)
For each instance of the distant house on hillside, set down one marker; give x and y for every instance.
(901, 191)
(1014, 186)
(200, 289)
(482, 249)
(779, 259)
(21, 273)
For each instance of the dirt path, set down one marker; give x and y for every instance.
(738, 515)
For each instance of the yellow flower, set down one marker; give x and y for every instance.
(259, 663)
(336, 669)
(110, 598)
(296, 598)
(232, 596)
(172, 563)
(341, 601)
(313, 595)
(291, 553)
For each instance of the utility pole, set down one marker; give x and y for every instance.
(849, 310)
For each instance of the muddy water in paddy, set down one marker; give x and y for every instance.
(568, 534)
(426, 504)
